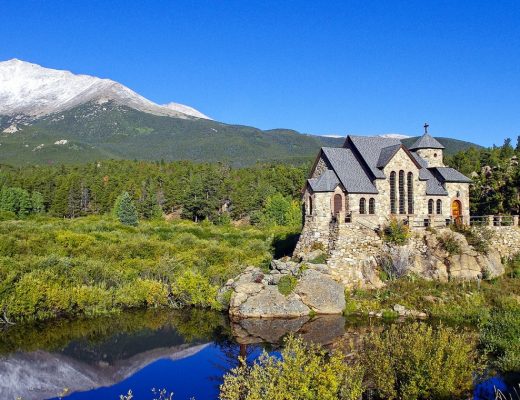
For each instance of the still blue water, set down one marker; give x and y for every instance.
(196, 376)
(184, 353)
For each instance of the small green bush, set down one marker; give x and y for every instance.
(321, 259)
(287, 284)
(479, 238)
(397, 232)
(303, 372)
(450, 244)
(416, 361)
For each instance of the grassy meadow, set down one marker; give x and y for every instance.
(95, 265)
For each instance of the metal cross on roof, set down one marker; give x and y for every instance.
(426, 127)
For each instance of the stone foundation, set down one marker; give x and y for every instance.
(356, 253)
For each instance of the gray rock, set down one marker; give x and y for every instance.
(270, 303)
(249, 288)
(398, 308)
(321, 293)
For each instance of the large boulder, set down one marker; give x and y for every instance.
(321, 293)
(270, 303)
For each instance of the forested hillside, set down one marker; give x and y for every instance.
(93, 132)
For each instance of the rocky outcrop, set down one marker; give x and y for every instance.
(357, 256)
(428, 258)
(257, 295)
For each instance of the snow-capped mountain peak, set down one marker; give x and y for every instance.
(32, 90)
(185, 110)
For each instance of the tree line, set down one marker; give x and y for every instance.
(195, 191)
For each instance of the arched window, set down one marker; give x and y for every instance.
(430, 206)
(310, 206)
(338, 203)
(372, 206)
(439, 206)
(401, 193)
(393, 207)
(409, 181)
(362, 206)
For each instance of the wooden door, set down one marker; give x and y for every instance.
(338, 203)
(456, 210)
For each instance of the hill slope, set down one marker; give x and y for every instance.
(92, 131)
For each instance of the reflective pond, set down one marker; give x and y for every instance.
(183, 352)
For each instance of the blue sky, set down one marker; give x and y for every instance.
(360, 67)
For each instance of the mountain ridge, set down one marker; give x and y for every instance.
(35, 91)
(102, 119)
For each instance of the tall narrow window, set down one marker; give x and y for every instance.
(338, 203)
(439, 206)
(362, 206)
(409, 181)
(401, 193)
(430, 206)
(310, 205)
(393, 207)
(372, 206)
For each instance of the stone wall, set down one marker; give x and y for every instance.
(316, 229)
(506, 240)
(353, 255)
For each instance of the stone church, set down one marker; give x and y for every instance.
(370, 180)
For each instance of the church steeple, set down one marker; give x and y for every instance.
(429, 148)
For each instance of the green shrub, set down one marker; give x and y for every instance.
(303, 372)
(478, 237)
(321, 259)
(397, 232)
(95, 265)
(193, 289)
(417, 361)
(500, 335)
(287, 284)
(450, 244)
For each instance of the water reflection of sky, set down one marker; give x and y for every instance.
(196, 376)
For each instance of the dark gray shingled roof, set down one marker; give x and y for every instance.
(448, 174)
(326, 182)
(426, 142)
(370, 147)
(349, 170)
(386, 155)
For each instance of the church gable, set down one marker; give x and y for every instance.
(401, 160)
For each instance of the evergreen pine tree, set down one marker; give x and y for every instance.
(125, 210)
